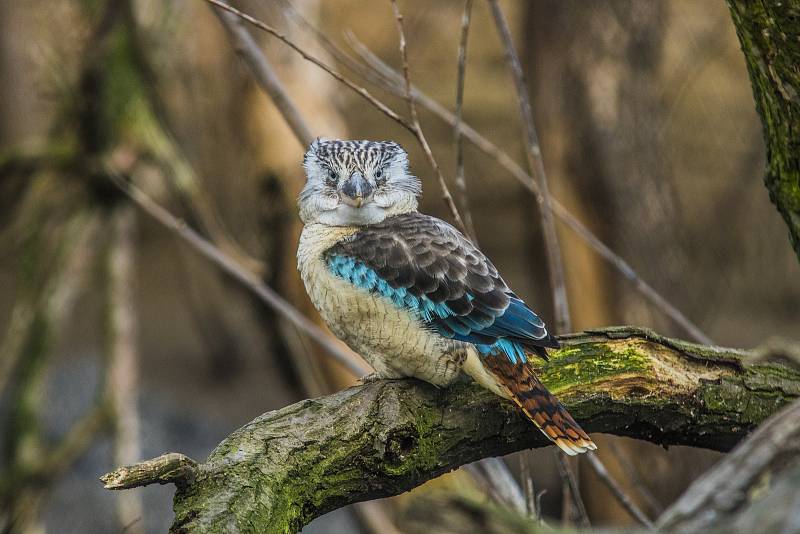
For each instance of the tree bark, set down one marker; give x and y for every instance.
(768, 33)
(731, 497)
(289, 466)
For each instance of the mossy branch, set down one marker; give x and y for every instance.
(769, 33)
(289, 466)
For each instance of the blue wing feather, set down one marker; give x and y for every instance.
(426, 266)
(506, 330)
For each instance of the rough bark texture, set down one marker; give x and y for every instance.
(289, 466)
(753, 489)
(769, 33)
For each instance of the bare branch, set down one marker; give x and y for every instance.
(251, 53)
(461, 183)
(536, 166)
(571, 491)
(601, 471)
(555, 265)
(297, 48)
(417, 128)
(171, 468)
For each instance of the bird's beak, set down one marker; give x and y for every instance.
(356, 190)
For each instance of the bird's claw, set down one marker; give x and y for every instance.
(369, 378)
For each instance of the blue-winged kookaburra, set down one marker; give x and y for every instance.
(409, 292)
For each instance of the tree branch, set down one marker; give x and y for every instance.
(247, 48)
(171, 468)
(289, 466)
(460, 180)
(555, 263)
(753, 489)
(366, 95)
(417, 127)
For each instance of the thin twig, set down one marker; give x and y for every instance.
(248, 49)
(417, 128)
(297, 48)
(569, 480)
(388, 79)
(601, 471)
(656, 508)
(227, 264)
(555, 264)
(460, 181)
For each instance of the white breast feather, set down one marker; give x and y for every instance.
(391, 339)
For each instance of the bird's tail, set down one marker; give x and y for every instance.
(542, 407)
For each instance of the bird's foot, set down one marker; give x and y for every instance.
(379, 377)
(369, 378)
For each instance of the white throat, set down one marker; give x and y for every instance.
(370, 213)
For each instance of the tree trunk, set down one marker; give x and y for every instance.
(768, 33)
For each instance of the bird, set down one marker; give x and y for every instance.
(409, 292)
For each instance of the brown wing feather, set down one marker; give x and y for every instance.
(541, 406)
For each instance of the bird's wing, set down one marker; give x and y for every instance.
(427, 266)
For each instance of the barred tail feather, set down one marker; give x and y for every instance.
(542, 407)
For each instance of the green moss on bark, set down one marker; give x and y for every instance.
(769, 33)
(589, 363)
(287, 467)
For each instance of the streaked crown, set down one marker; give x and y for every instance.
(355, 155)
(356, 182)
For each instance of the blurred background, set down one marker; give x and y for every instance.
(119, 342)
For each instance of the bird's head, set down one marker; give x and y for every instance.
(356, 183)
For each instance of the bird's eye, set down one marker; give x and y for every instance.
(332, 177)
(379, 176)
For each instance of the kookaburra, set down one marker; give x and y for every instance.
(409, 292)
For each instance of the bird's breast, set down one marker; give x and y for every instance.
(391, 338)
